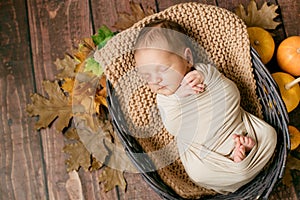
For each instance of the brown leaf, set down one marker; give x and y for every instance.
(86, 47)
(93, 140)
(68, 85)
(66, 66)
(71, 134)
(57, 106)
(112, 178)
(78, 156)
(100, 97)
(95, 164)
(263, 18)
(126, 20)
(292, 164)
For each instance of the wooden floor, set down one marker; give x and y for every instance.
(33, 34)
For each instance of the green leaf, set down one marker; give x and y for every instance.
(93, 66)
(104, 34)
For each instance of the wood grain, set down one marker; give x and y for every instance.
(21, 166)
(163, 4)
(137, 188)
(290, 12)
(103, 8)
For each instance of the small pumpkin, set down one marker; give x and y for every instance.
(263, 42)
(289, 89)
(288, 55)
(294, 137)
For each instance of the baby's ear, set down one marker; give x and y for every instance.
(188, 56)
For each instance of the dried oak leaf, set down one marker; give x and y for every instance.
(66, 66)
(263, 18)
(112, 178)
(86, 46)
(71, 134)
(138, 12)
(100, 96)
(292, 164)
(57, 106)
(93, 139)
(79, 156)
(68, 85)
(95, 164)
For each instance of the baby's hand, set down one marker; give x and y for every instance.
(192, 83)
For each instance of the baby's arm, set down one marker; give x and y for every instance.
(192, 83)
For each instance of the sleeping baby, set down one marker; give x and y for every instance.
(222, 147)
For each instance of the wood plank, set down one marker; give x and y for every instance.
(163, 4)
(101, 9)
(290, 12)
(137, 188)
(21, 163)
(92, 189)
(54, 28)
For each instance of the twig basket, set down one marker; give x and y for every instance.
(133, 110)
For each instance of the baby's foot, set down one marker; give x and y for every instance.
(243, 145)
(239, 153)
(247, 142)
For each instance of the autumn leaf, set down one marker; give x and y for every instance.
(66, 67)
(112, 178)
(78, 156)
(126, 20)
(93, 140)
(96, 165)
(57, 106)
(264, 17)
(292, 164)
(68, 85)
(71, 134)
(101, 94)
(93, 66)
(86, 46)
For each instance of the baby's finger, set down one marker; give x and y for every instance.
(198, 89)
(194, 82)
(187, 79)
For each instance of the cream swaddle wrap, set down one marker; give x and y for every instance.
(203, 125)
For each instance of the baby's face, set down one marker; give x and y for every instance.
(162, 70)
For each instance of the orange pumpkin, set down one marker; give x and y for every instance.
(262, 41)
(288, 55)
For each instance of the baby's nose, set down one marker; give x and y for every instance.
(155, 80)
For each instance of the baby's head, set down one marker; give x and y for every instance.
(163, 55)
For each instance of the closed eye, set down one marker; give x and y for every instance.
(163, 68)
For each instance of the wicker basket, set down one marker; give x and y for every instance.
(133, 107)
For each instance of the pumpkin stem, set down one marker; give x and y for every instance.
(291, 84)
(256, 42)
